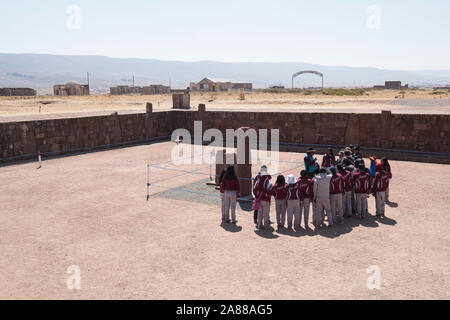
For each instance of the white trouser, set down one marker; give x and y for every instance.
(387, 191)
(336, 206)
(361, 203)
(293, 210)
(324, 204)
(304, 208)
(222, 198)
(348, 203)
(229, 198)
(353, 200)
(280, 207)
(380, 203)
(264, 214)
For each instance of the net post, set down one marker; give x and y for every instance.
(148, 182)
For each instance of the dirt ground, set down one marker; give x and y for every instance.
(415, 101)
(90, 210)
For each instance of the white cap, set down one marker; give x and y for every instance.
(291, 179)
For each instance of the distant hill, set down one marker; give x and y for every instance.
(42, 71)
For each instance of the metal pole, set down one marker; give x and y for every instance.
(148, 181)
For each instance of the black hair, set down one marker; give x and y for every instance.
(281, 180)
(333, 170)
(323, 170)
(347, 162)
(340, 167)
(303, 173)
(230, 174)
(330, 150)
(316, 171)
(222, 174)
(385, 161)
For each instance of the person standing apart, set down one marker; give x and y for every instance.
(379, 188)
(306, 187)
(262, 189)
(310, 162)
(361, 181)
(279, 193)
(329, 160)
(336, 194)
(387, 168)
(322, 195)
(231, 190)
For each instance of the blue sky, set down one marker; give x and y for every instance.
(413, 34)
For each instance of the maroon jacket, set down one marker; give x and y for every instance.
(279, 192)
(348, 181)
(361, 181)
(230, 185)
(337, 184)
(262, 189)
(381, 182)
(328, 161)
(306, 187)
(293, 192)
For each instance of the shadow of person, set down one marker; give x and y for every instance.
(231, 227)
(266, 233)
(387, 221)
(335, 231)
(246, 205)
(289, 232)
(392, 204)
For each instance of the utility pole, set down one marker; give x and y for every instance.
(133, 80)
(88, 78)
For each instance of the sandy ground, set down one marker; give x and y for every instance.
(90, 210)
(415, 101)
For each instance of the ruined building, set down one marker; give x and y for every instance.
(71, 89)
(14, 92)
(152, 89)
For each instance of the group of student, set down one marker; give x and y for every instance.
(337, 189)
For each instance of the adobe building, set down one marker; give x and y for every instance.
(217, 85)
(392, 85)
(156, 89)
(121, 90)
(17, 92)
(71, 89)
(148, 90)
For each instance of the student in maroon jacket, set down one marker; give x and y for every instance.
(387, 168)
(306, 187)
(348, 188)
(336, 193)
(279, 193)
(230, 189)
(379, 187)
(329, 160)
(361, 182)
(262, 189)
(293, 202)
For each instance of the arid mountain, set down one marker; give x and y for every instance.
(42, 71)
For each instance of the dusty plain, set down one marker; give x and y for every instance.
(90, 210)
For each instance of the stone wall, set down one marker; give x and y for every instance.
(415, 133)
(425, 133)
(24, 139)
